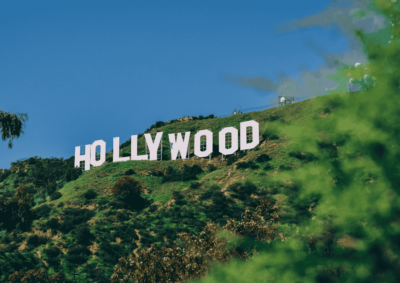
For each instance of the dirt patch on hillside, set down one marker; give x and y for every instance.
(93, 248)
(169, 204)
(48, 234)
(348, 242)
(117, 241)
(137, 243)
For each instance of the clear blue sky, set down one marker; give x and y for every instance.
(90, 70)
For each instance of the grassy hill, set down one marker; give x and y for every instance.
(212, 213)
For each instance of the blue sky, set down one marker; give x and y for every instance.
(90, 70)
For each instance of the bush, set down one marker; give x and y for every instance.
(302, 156)
(263, 158)
(195, 185)
(245, 165)
(71, 218)
(61, 204)
(35, 240)
(270, 134)
(157, 173)
(78, 255)
(189, 173)
(171, 175)
(231, 159)
(42, 211)
(83, 236)
(55, 195)
(267, 167)
(128, 189)
(152, 208)
(52, 252)
(130, 172)
(90, 194)
(211, 168)
(72, 174)
(51, 187)
(4, 175)
(21, 173)
(215, 152)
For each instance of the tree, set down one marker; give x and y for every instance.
(16, 212)
(11, 126)
(128, 190)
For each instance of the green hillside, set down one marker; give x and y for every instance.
(214, 195)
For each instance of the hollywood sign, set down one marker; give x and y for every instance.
(178, 145)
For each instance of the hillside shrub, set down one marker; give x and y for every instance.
(211, 168)
(157, 173)
(103, 201)
(153, 208)
(215, 152)
(8, 194)
(5, 174)
(270, 134)
(189, 173)
(171, 175)
(123, 216)
(78, 255)
(249, 164)
(90, 194)
(130, 171)
(16, 183)
(35, 240)
(268, 167)
(302, 156)
(21, 173)
(195, 185)
(83, 236)
(71, 217)
(263, 158)
(51, 187)
(42, 211)
(55, 195)
(231, 159)
(34, 275)
(128, 190)
(15, 213)
(72, 174)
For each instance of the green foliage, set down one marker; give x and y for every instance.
(72, 174)
(90, 194)
(188, 173)
(55, 195)
(211, 168)
(129, 172)
(128, 190)
(11, 126)
(83, 235)
(248, 164)
(35, 240)
(263, 158)
(16, 212)
(71, 218)
(231, 159)
(4, 174)
(42, 211)
(78, 255)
